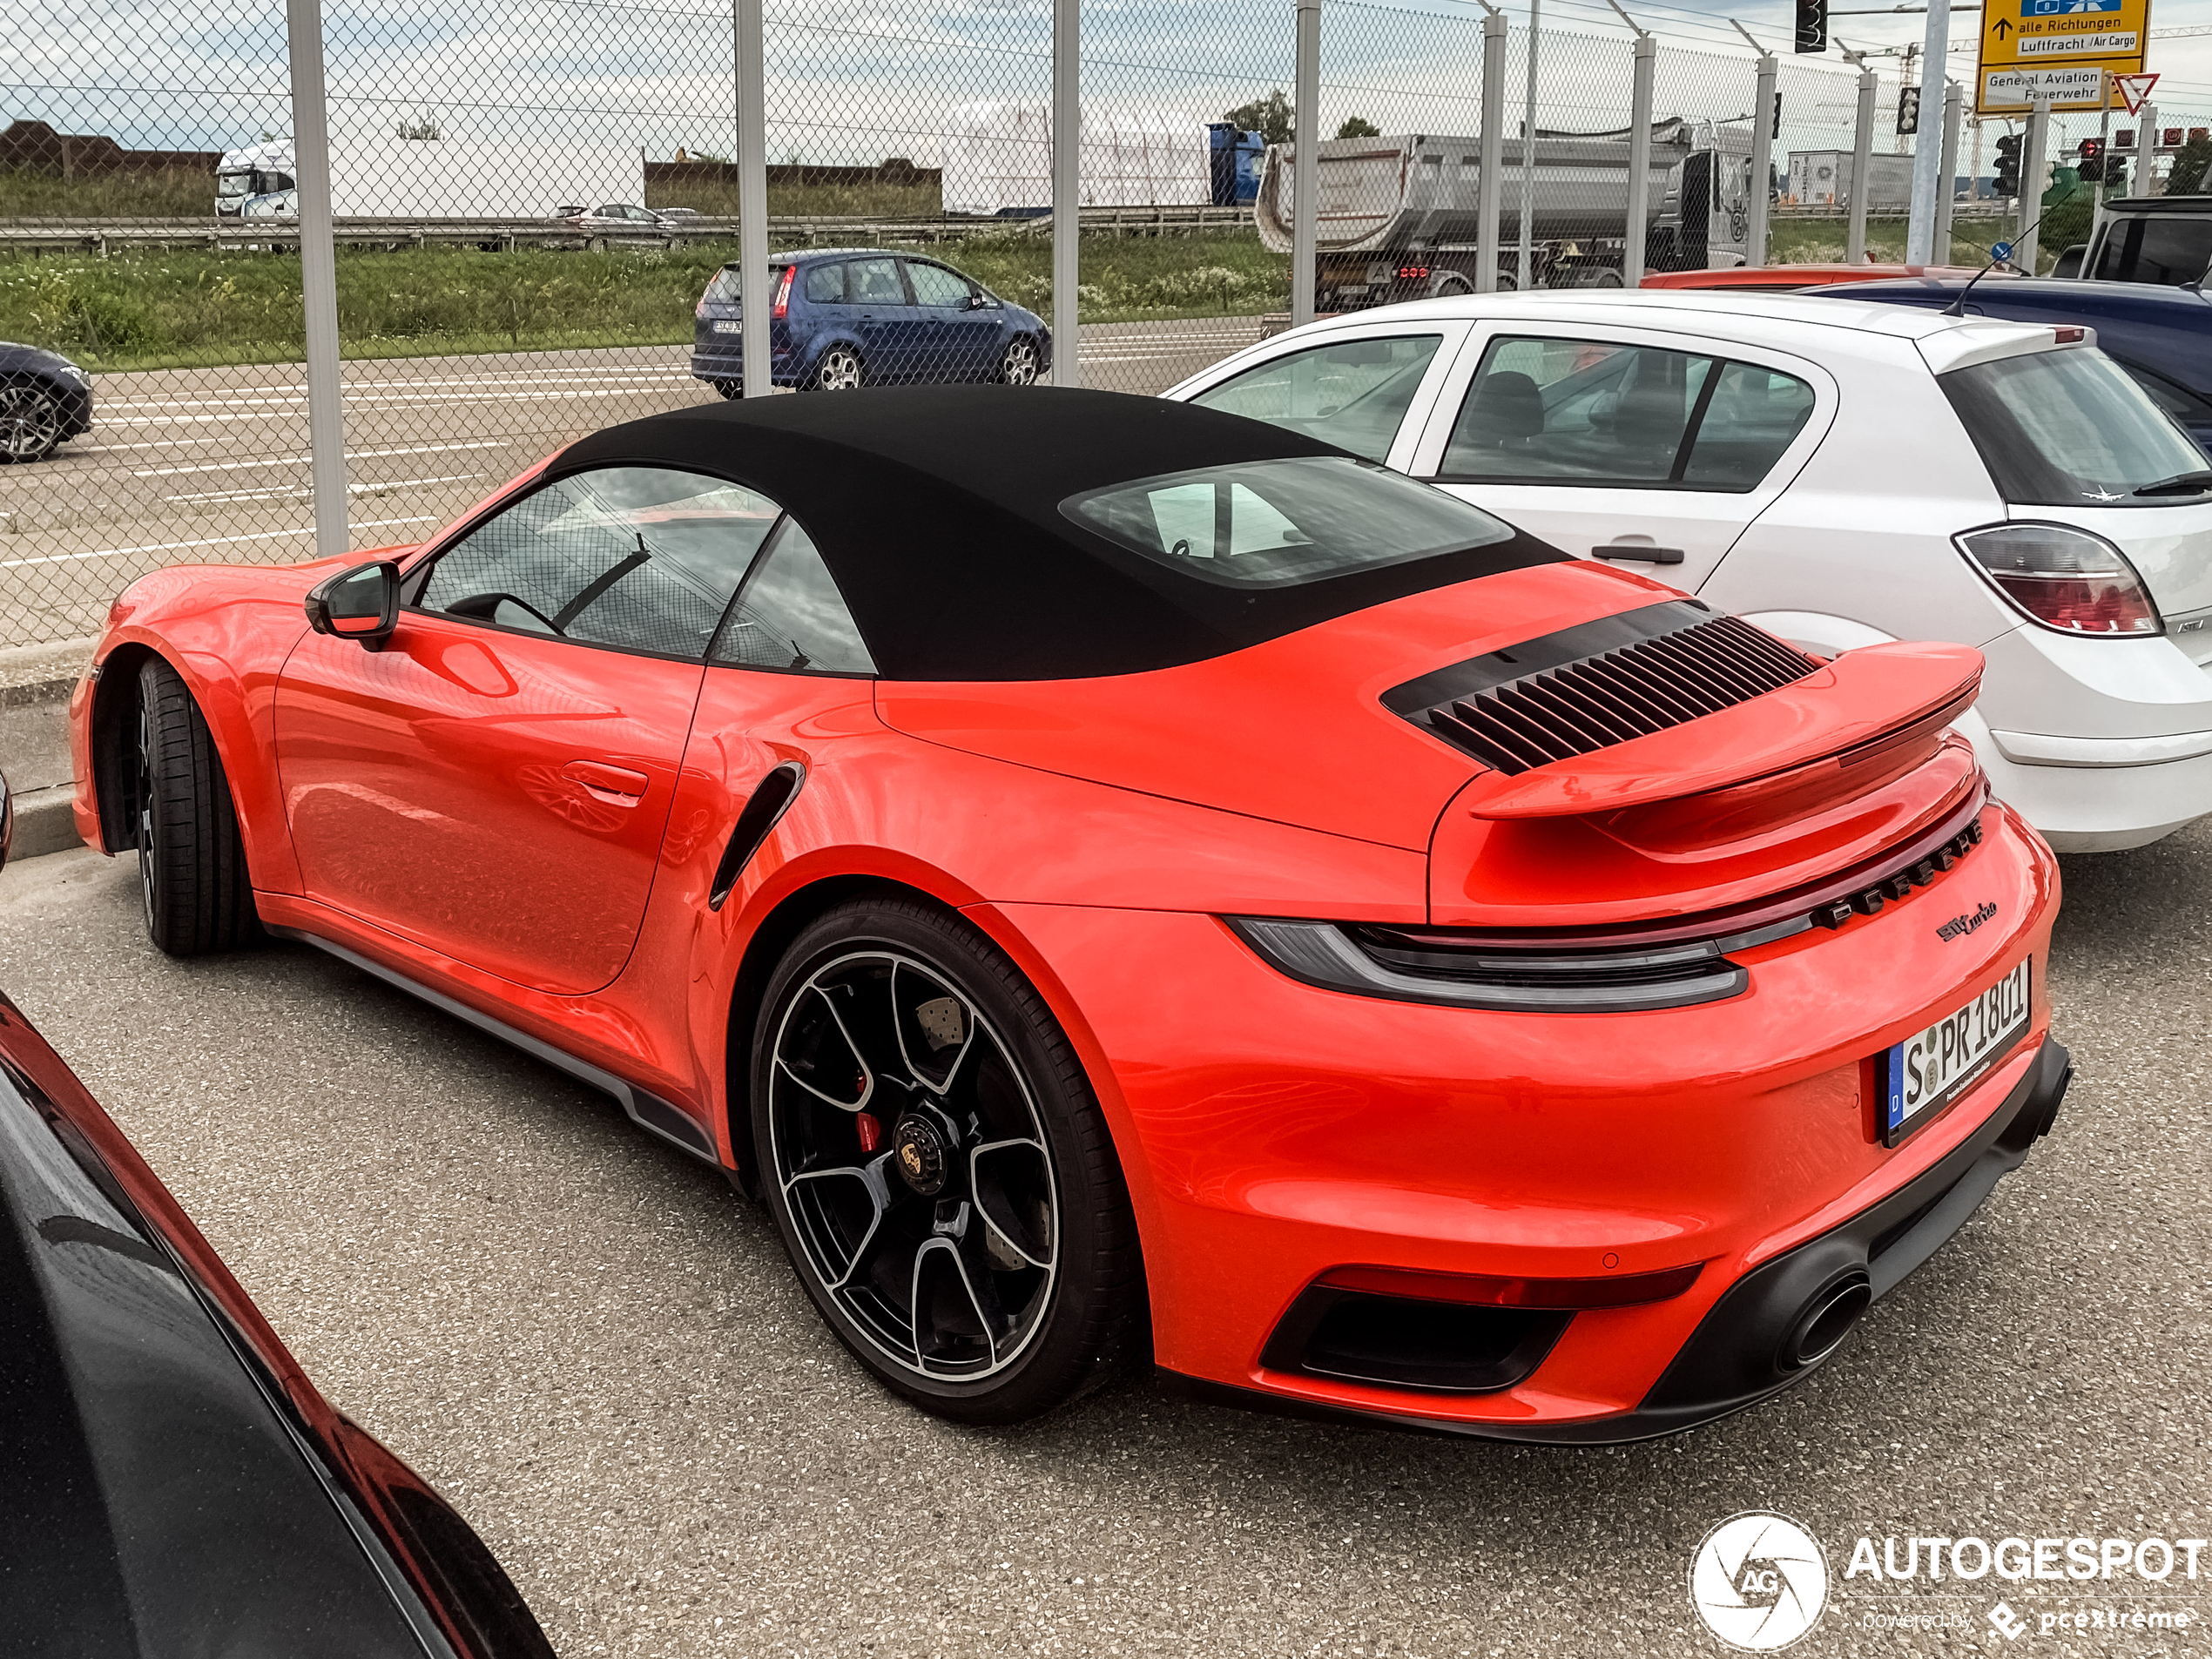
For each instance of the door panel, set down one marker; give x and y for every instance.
(469, 789)
(1596, 438)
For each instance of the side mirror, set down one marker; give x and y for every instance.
(360, 605)
(977, 302)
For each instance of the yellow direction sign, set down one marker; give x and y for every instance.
(2061, 50)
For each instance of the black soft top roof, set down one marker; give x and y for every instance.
(938, 510)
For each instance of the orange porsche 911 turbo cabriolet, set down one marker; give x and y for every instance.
(1122, 880)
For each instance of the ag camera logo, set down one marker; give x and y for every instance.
(1760, 1582)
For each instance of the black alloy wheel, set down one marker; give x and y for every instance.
(192, 880)
(30, 421)
(939, 1168)
(1019, 365)
(731, 389)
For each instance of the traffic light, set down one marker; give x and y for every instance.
(2008, 165)
(1908, 109)
(1812, 25)
(2090, 160)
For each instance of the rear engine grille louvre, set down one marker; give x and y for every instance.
(1700, 665)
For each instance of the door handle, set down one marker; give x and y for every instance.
(1638, 551)
(618, 784)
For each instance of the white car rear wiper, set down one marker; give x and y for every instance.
(2181, 483)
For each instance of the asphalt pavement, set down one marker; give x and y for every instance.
(186, 465)
(596, 1351)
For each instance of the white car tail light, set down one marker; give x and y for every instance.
(2065, 578)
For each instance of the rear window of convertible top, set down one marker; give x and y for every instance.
(1279, 523)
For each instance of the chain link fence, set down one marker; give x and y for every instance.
(534, 218)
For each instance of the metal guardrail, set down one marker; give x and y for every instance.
(104, 235)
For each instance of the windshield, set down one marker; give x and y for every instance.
(234, 184)
(2063, 429)
(1279, 523)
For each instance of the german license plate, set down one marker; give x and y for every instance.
(1928, 1070)
(727, 328)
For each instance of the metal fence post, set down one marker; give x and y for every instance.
(1947, 195)
(1067, 188)
(2032, 183)
(752, 200)
(1762, 158)
(2146, 149)
(1639, 217)
(1862, 166)
(1525, 247)
(1493, 149)
(318, 275)
(1927, 141)
(1305, 180)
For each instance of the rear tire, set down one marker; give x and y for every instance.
(1012, 1188)
(192, 863)
(1450, 284)
(840, 370)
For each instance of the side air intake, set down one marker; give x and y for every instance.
(1598, 684)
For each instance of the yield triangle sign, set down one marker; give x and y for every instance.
(2134, 88)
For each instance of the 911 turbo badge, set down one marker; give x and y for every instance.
(1960, 927)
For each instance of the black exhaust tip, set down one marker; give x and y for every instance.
(1825, 1321)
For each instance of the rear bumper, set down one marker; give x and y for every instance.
(2100, 796)
(1732, 1359)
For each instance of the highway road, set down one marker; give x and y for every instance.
(211, 464)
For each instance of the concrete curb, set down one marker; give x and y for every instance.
(44, 823)
(34, 677)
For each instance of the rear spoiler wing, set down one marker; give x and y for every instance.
(1863, 705)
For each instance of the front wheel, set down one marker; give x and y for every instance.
(31, 422)
(192, 881)
(1019, 365)
(839, 371)
(939, 1168)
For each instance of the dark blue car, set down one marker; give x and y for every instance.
(865, 316)
(2162, 336)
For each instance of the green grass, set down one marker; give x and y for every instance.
(1820, 241)
(171, 192)
(183, 308)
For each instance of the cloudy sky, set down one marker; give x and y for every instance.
(856, 80)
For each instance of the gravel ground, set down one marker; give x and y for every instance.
(598, 1352)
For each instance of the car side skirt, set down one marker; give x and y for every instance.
(661, 1118)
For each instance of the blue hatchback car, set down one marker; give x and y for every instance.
(865, 316)
(2162, 337)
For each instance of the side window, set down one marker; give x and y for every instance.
(1353, 393)
(790, 616)
(2185, 407)
(874, 282)
(1545, 410)
(643, 558)
(1753, 415)
(936, 285)
(826, 284)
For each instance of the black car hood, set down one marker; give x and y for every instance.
(152, 1497)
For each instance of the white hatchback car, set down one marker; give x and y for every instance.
(1840, 472)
